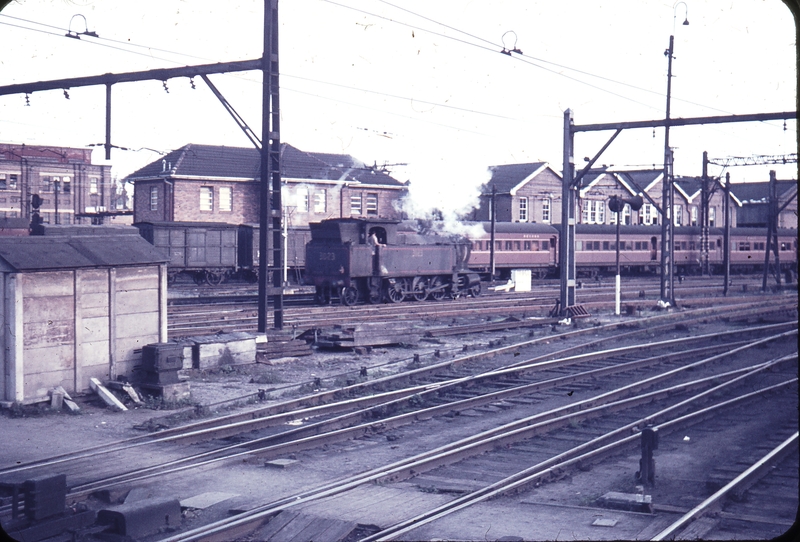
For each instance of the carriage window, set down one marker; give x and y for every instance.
(535, 245)
(508, 245)
(498, 245)
(476, 245)
(692, 245)
(605, 245)
(744, 246)
(526, 245)
(578, 245)
(545, 245)
(597, 245)
(784, 246)
(516, 245)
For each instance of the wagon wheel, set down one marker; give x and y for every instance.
(438, 292)
(420, 288)
(541, 274)
(215, 278)
(394, 291)
(199, 277)
(349, 295)
(475, 291)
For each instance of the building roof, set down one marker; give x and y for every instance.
(507, 178)
(211, 161)
(47, 253)
(759, 192)
(640, 180)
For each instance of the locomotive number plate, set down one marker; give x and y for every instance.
(327, 256)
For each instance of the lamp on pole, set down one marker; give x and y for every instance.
(667, 294)
(616, 204)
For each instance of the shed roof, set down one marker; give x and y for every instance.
(51, 253)
(195, 160)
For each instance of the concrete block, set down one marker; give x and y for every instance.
(142, 518)
(204, 500)
(56, 400)
(223, 349)
(63, 391)
(45, 497)
(170, 392)
(106, 395)
(280, 463)
(71, 406)
(634, 502)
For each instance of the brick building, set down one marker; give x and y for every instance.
(528, 192)
(750, 204)
(221, 184)
(73, 189)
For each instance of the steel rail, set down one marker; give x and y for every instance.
(246, 420)
(755, 471)
(340, 428)
(520, 480)
(413, 465)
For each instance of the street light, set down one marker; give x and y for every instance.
(616, 204)
(77, 35)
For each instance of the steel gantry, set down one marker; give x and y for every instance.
(571, 182)
(270, 242)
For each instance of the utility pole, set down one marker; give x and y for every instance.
(726, 251)
(270, 185)
(493, 222)
(667, 295)
(772, 232)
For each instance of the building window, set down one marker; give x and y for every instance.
(648, 215)
(694, 216)
(206, 198)
(712, 217)
(12, 182)
(225, 198)
(593, 212)
(302, 200)
(93, 185)
(523, 209)
(320, 201)
(601, 211)
(626, 215)
(585, 212)
(2, 181)
(677, 211)
(546, 210)
(46, 182)
(355, 205)
(154, 198)
(372, 204)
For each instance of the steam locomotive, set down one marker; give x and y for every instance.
(372, 260)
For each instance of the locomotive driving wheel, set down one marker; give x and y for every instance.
(438, 290)
(394, 290)
(475, 291)
(349, 295)
(420, 288)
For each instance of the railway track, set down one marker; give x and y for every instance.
(204, 316)
(497, 380)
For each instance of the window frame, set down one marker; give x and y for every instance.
(546, 210)
(154, 198)
(225, 207)
(207, 203)
(523, 209)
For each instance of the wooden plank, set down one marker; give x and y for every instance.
(275, 525)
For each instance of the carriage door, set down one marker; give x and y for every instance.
(653, 249)
(553, 252)
(380, 234)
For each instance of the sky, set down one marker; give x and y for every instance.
(417, 85)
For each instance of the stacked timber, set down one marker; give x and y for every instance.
(363, 335)
(283, 344)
